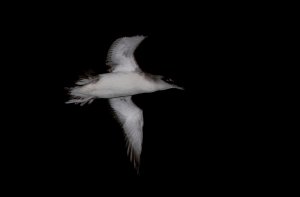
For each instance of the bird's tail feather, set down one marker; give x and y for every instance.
(76, 94)
(78, 98)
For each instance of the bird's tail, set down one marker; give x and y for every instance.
(78, 98)
(77, 95)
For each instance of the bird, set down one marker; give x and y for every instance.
(124, 80)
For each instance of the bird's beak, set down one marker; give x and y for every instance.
(178, 87)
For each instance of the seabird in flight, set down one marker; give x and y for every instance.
(124, 80)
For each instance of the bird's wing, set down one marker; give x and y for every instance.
(131, 118)
(120, 56)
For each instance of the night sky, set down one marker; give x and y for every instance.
(185, 132)
(208, 131)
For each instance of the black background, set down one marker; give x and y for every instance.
(208, 134)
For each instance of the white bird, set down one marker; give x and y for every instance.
(124, 80)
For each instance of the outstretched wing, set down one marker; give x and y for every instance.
(120, 56)
(131, 119)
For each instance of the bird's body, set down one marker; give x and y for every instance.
(124, 80)
(118, 84)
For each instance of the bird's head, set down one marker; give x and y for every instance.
(165, 83)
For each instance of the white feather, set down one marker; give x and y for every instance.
(120, 56)
(131, 119)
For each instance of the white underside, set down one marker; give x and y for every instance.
(118, 84)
